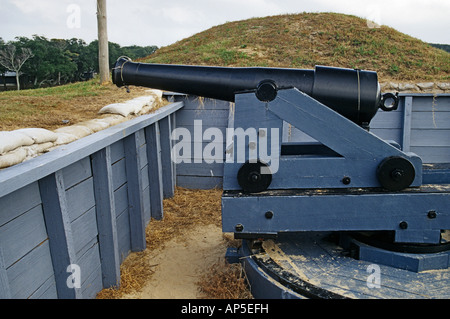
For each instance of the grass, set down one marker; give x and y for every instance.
(49, 107)
(291, 40)
(309, 39)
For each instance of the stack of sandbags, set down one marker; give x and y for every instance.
(19, 145)
(139, 105)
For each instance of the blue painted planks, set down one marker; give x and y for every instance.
(90, 267)
(199, 182)
(84, 190)
(13, 205)
(31, 272)
(194, 169)
(77, 172)
(22, 234)
(5, 290)
(123, 235)
(84, 229)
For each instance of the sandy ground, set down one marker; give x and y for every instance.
(181, 263)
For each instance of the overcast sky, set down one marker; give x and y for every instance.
(156, 22)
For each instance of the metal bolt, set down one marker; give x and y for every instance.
(269, 215)
(254, 177)
(403, 225)
(346, 180)
(239, 227)
(397, 174)
(432, 214)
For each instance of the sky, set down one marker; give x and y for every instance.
(161, 23)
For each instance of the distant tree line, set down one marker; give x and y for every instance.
(445, 47)
(50, 62)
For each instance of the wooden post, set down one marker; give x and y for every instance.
(106, 217)
(165, 130)
(103, 51)
(135, 192)
(406, 133)
(59, 229)
(155, 170)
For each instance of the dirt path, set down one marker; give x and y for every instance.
(181, 263)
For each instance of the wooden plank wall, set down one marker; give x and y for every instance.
(86, 204)
(195, 170)
(420, 125)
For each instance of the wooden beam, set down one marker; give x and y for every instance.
(407, 115)
(106, 217)
(59, 230)
(165, 129)
(152, 137)
(135, 192)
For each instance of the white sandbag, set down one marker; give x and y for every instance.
(157, 93)
(37, 149)
(114, 119)
(116, 108)
(39, 135)
(64, 138)
(146, 100)
(78, 130)
(12, 158)
(11, 140)
(133, 106)
(95, 125)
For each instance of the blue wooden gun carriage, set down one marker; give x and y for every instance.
(335, 217)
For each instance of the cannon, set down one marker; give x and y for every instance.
(354, 94)
(344, 194)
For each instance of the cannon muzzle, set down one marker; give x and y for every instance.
(354, 94)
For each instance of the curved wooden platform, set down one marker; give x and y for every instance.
(312, 265)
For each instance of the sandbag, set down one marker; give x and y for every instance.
(133, 106)
(11, 140)
(116, 108)
(113, 119)
(95, 125)
(37, 149)
(78, 130)
(39, 135)
(13, 157)
(157, 93)
(65, 138)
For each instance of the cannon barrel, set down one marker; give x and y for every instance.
(354, 94)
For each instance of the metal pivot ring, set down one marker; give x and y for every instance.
(396, 173)
(266, 91)
(254, 177)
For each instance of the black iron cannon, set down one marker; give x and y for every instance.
(354, 94)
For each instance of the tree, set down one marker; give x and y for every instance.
(14, 61)
(103, 54)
